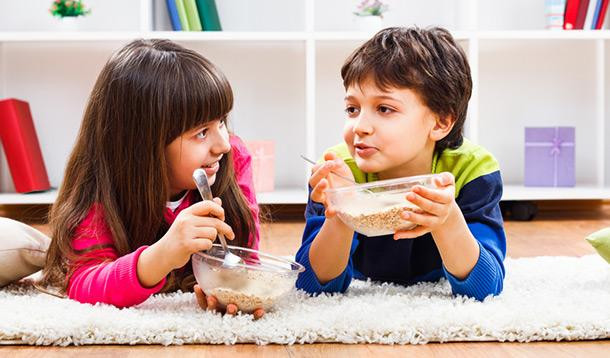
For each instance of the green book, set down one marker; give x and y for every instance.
(182, 15)
(192, 15)
(209, 15)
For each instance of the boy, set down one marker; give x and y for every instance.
(407, 92)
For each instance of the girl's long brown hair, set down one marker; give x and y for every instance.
(147, 94)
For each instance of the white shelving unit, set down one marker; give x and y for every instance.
(283, 60)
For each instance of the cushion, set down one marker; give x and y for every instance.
(23, 250)
(600, 240)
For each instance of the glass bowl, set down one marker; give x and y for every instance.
(256, 283)
(373, 209)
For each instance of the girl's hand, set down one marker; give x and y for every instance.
(194, 230)
(438, 205)
(322, 179)
(211, 303)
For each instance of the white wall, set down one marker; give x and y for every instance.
(33, 15)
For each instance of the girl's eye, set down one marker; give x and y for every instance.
(201, 135)
(351, 111)
(385, 110)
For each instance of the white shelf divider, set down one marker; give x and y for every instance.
(519, 192)
(600, 102)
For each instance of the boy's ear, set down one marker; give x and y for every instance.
(442, 127)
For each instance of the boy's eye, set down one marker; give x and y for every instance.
(385, 110)
(351, 110)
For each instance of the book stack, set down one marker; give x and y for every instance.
(584, 14)
(193, 15)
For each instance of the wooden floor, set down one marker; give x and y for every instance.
(555, 231)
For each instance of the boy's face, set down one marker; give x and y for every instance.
(389, 132)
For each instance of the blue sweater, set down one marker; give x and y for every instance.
(408, 261)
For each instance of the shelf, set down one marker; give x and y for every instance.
(56, 36)
(516, 192)
(50, 36)
(282, 196)
(47, 197)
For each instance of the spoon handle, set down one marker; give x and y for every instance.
(340, 176)
(201, 180)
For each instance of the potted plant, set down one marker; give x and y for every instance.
(369, 14)
(67, 11)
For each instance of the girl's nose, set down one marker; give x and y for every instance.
(221, 143)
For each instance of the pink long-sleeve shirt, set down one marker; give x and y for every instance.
(115, 280)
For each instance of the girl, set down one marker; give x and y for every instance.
(128, 215)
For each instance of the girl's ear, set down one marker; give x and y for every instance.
(442, 127)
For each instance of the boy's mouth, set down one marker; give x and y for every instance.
(364, 151)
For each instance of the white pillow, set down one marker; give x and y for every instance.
(23, 250)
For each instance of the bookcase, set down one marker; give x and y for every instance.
(283, 60)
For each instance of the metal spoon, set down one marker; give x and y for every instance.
(201, 179)
(340, 176)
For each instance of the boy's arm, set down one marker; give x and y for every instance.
(473, 246)
(325, 252)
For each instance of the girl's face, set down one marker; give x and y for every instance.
(201, 147)
(391, 133)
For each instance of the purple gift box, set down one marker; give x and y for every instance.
(549, 156)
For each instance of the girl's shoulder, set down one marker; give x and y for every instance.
(92, 230)
(240, 151)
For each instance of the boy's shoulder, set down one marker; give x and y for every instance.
(467, 162)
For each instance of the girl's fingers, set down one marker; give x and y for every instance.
(258, 313)
(200, 296)
(197, 245)
(218, 201)
(212, 303)
(425, 204)
(207, 208)
(231, 309)
(217, 224)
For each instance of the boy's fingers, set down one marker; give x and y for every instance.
(443, 196)
(317, 194)
(411, 234)
(444, 179)
(419, 219)
(200, 296)
(258, 313)
(425, 204)
(320, 174)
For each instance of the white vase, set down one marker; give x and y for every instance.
(68, 23)
(369, 23)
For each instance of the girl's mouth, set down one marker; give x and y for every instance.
(211, 168)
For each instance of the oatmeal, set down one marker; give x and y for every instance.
(377, 215)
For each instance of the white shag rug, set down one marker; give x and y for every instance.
(544, 299)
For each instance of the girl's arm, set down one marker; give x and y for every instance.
(242, 161)
(100, 275)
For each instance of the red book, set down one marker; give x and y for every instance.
(569, 17)
(602, 15)
(582, 14)
(21, 147)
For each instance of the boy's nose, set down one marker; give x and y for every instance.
(362, 126)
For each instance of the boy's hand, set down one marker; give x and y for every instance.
(438, 205)
(322, 179)
(211, 303)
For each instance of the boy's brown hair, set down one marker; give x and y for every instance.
(427, 61)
